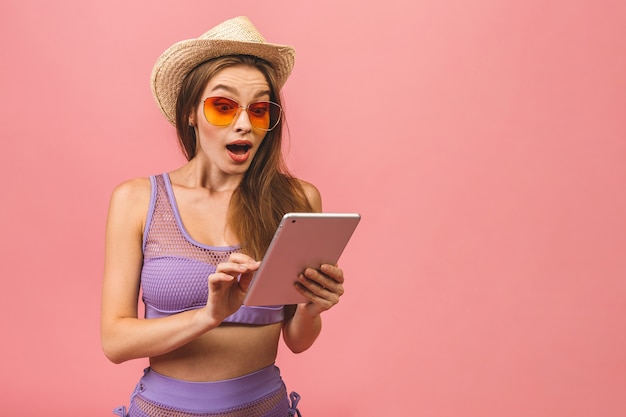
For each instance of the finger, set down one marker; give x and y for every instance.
(333, 272)
(303, 288)
(244, 281)
(219, 280)
(240, 258)
(221, 277)
(315, 279)
(236, 268)
(316, 288)
(321, 279)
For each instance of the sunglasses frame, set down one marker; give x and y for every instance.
(246, 108)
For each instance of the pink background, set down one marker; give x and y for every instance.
(483, 141)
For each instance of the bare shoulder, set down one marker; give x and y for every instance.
(312, 194)
(135, 188)
(131, 199)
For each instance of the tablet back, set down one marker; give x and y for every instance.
(301, 240)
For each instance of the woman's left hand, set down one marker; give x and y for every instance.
(321, 287)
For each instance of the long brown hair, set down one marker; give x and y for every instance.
(267, 190)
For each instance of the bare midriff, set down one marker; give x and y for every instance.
(226, 352)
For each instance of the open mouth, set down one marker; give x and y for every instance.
(238, 149)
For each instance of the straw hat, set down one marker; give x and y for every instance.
(236, 36)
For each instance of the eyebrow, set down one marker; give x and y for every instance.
(234, 91)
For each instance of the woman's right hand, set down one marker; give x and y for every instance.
(228, 286)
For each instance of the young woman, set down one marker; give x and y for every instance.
(191, 239)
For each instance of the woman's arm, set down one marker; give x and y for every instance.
(322, 287)
(125, 336)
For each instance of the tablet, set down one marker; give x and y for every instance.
(301, 240)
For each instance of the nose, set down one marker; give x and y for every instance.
(242, 120)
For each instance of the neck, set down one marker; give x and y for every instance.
(196, 174)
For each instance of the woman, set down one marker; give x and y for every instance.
(191, 239)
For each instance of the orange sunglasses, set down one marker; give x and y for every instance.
(221, 111)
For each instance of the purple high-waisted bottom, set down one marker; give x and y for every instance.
(259, 394)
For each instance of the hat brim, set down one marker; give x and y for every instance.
(178, 60)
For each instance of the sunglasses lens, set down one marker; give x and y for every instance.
(264, 115)
(220, 111)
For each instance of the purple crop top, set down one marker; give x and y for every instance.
(175, 272)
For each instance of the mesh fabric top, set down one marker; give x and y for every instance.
(176, 268)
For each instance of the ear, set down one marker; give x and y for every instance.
(192, 120)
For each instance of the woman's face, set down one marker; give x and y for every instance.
(231, 148)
